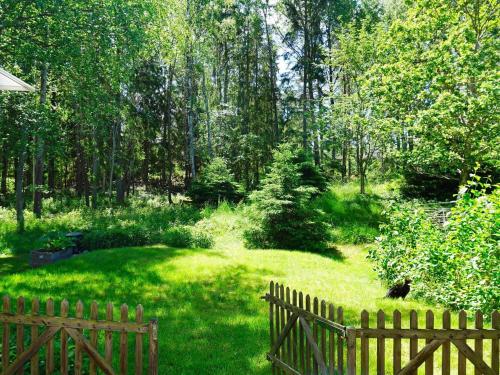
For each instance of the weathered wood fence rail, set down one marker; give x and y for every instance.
(26, 337)
(309, 336)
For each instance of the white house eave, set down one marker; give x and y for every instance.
(9, 82)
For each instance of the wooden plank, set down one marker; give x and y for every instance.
(64, 340)
(365, 350)
(108, 335)
(340, 343)
(78, 343)
(302, 348)
(462, 363)
(24, 357)
(294, 335)
(56, 321)
(35, 360)
(315, 331)
(495, 349)
(153, 347)
(331, 341)
(351, 351)
(85, 345)
(445, 349)
(380, 344)
(478, 343)
(20, 332)
(429, 362)
(284, 334)
(49, 353)
(473, 357)
(441, 334)
(124, 342)
(271, 323)
(93, 335)
(413, 340)
(323, 331)
(396, 349)
(307, 342)
(139, 316)
(315, 349)
(288, 337)
(5, 334)
(420, 357)
(278, 315)
(283, 366)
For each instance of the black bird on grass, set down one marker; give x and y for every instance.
(399, 291)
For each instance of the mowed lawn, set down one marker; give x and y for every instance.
(211, 317)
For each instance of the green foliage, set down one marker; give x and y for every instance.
(310, 174)
(281, 214)
(116, 237)
(186, 237)
(55, 241)
(214, 184)
(457, 265)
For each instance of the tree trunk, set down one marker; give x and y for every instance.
(95, 168)
(5, 171)
(39, 152)
(19, 181)
(207, 111)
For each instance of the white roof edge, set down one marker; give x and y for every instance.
(24, 85)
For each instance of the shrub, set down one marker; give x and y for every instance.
(55, 241)
(457, 265)
(281, 214)
(116, 237)
(178, 237)
(214, 184)
(310, 174)
(186, 237)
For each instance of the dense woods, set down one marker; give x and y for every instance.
(144, 94)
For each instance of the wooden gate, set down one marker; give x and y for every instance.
(313, 339)
(26, 337)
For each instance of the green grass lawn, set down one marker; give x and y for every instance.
(211, 317)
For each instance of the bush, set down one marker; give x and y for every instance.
(281, 214)
(310, 174)
(55, 241)
(457, 265)
(214, 184)
(186, 237)
(116, 237)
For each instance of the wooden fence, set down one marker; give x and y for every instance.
(32, 342)
(309, 336)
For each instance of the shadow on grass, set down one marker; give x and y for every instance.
(214, 324)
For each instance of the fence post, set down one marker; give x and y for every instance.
(351, 350)
(153, 347)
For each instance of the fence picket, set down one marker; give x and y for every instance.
(153, 347)
(34, 365)
(302, 350)
(278, 324)
(108, 336)
(124, 341)
(429, 362)
(139, 316)
(308, 346)
(20, 331)
(271, 322)
(49, 354)
(396, 352)
(380, 344)
(413, 341)
(323, 332)
(6, 334)
(365, 350)
(64, 340)
(315, 332)
(495, 324)
(445, 348)
(462, 323)
(282, 321)
(331, 341)
(340, 343)
(288, 341)
(78, 345)
(294, 334)
(478, 343)
(93, 335)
